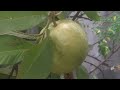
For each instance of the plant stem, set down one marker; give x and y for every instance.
(107, 58)
(58, 13)
(96, 68)
(94, 58)
(76, 15)
(53, 18)
(44, 29)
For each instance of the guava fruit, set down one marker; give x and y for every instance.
(70, 46)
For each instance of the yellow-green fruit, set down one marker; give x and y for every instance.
(70, 46)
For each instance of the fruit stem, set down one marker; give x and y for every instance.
(56, 14)
(53, 18)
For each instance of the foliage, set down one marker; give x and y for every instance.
(34, 60)
(108, 31)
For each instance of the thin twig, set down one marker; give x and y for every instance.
(81, 16)
(114, 52)
(85, 18)
(94, 58)
(52, 14)
(76, 15)
(56, 14)
(109, 14)
(113, 46)
(97, 42)
(95, 67)
(106, 59)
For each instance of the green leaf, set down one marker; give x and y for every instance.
(18, 14)
(13, 21)
(37, 62)
(12, 49)
(92, 15)
(82, 73)
(5, 72)
(5, 76)
(104, 49)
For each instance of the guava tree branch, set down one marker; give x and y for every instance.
(76, 15)
(85, 18)
(80, 16)
(52, 15)
(106, 59)
(113, 45)
(113, 52)
(56, 14)
(98, 41)
(94, 58)
(95, 67)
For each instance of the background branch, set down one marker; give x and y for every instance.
(95, 67)
(98, 41)
(113, 52)
(94, 58)
(106, 59)
(85, 18)
(76, 15)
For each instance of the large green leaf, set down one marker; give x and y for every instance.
(37, 62)
(82, 73)
(12, 49)
(18, 14)
(92, 15)
(5, 76)
(5, 72)
(20, 20)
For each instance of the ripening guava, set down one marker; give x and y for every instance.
(70, 46)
